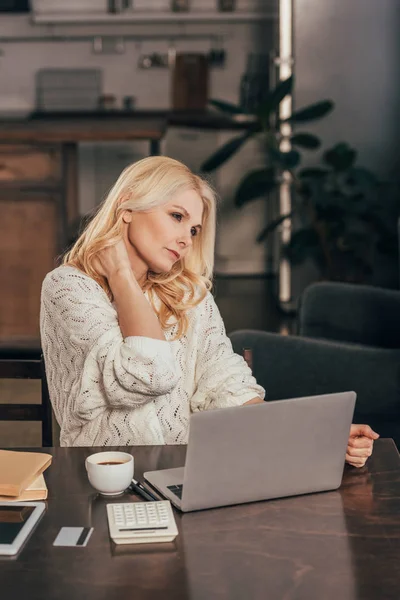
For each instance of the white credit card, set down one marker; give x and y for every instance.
(73, 536)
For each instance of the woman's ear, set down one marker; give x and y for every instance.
(127, 216)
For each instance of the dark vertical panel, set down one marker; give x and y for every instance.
(349, 51)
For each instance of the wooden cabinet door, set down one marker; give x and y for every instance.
(28, 247)
(30, 164)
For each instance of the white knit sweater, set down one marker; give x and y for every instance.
(107, 390)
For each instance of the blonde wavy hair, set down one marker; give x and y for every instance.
(143, 186)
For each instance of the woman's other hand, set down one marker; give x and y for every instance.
(360, 444)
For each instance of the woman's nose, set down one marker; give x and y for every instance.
(185, 241)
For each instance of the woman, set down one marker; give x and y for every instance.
(132, 338)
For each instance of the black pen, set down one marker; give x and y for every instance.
(138, 488)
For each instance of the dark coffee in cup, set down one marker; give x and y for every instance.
(107, 479)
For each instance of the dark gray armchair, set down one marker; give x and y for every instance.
(349, 339)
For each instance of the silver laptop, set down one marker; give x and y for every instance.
(269, 450)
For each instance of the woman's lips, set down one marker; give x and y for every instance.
(174, 254)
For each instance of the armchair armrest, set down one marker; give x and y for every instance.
(351, 313)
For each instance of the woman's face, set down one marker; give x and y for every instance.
(158, 238)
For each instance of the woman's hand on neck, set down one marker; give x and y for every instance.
(121, 259)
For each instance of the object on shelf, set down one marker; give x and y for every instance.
(180, 5)
(226, 5)
(72, 6)
(119, 6)
(128, 103)
(107, 102)
(216, 58)
(68, 89)
(190, 77)
(217, 54)
(156, 59)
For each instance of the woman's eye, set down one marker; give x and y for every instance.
(179, 217)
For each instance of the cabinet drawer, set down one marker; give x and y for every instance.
(30, 164)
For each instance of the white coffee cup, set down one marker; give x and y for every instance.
(110, 473)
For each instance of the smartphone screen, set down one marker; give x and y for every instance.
(12, 520)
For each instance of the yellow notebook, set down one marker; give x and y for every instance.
(18, 470)
(36, 491)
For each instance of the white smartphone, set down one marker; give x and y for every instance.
(17, 520)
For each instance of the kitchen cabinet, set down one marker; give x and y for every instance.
(39, 204)
(30, 235)
(32, 228)
(24, 164)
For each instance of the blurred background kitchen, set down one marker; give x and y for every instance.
(90, 86)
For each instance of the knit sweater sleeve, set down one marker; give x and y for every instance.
(223, 377)
(133, 370)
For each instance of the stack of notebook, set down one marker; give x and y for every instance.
(21, 475)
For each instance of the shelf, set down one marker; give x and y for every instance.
(152, 17)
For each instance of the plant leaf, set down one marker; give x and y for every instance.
(290, 160)
(306, 140)
(255, 184)
(225, 152)
(272, 226)
(303, 243)
(340, 157)
(312, 112)
(284, 160)
(227, 107)
(275, 97)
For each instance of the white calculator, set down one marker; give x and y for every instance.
(141, 522)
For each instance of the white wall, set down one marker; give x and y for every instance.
(121, 76)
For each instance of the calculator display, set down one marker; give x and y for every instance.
(12, 520)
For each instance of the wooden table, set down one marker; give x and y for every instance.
(335, 545)
(75, 129)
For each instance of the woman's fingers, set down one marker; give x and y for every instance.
(363, 431)
(355, 462)
(360, 442)
(359, 449)
(359, 452)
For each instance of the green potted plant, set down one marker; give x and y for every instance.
(341, 220)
